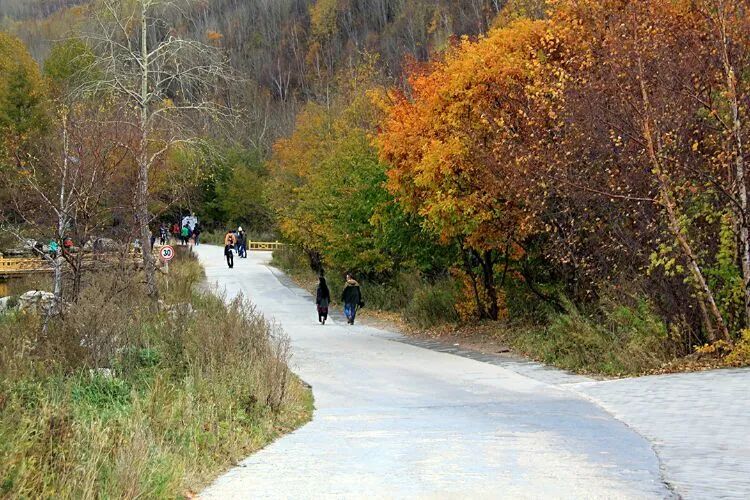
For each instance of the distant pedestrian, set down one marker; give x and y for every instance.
(197, 234)
(176, 231)
(185, 234)
(152, 238)
(163, 234)
(241, 243)
(322, 299)
(352, 298)
(229, 241)
(53, 248)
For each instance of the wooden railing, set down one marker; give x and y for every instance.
(263, 245)
(16, 266)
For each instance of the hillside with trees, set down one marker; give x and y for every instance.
(577, 179)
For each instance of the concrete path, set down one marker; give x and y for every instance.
(699, 424)
(398, 420)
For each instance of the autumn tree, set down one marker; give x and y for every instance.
(457, 142)
(328, 189)
(626, 108)
(172, 81)
(723, 31)
(23, 112)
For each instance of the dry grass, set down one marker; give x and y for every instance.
(118, 401)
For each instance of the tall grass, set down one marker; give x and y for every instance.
(118, 400)
(613, 340)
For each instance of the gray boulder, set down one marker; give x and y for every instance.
(36, 301)
(7, 303)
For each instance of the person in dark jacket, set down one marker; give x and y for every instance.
(352, 298)
(197, 234)
(163, 234)
(322, 299)
(241, 243)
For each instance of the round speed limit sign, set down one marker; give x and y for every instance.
(166, 253)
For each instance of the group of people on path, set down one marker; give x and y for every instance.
(235, 241)
(186, 235)
(351, 297)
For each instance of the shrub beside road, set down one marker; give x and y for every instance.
(115, 399)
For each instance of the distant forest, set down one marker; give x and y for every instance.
(290, 51)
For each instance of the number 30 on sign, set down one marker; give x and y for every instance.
(166, 253)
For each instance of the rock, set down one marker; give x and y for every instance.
(36, 301)
(103, 372)
(179, 310)
(7, 303)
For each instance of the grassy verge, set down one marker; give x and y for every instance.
(116, 400)
(611, 338)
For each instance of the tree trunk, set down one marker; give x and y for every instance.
(488, 280)
(704, 292)
(739, 164)
(142, 214)
(472, 275)
(62, 217)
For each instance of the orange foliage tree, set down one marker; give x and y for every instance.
(461, 144)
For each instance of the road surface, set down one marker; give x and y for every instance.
(396, 419)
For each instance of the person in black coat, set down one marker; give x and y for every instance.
(322, 299)
(352, 298)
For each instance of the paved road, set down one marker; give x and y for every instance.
(398, 420)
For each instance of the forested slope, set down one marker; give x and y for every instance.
(289, 51)
(574, 173)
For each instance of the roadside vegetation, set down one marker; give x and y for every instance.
(614, 337)
(591, 212)
(113, 399)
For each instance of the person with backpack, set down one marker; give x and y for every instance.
(241, 243)
(197, 234)
(322, 299)
(352, 298)
(229, 241)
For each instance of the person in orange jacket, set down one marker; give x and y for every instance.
(229, 241)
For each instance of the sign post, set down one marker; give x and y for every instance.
(166, 253)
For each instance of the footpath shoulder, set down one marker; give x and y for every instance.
(697, 422)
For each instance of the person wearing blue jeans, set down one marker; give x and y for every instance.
(352, 298)
(241, 243)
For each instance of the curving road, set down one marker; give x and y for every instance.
(398, 420)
